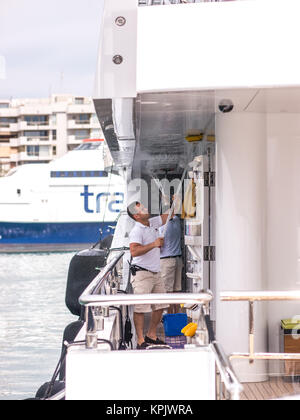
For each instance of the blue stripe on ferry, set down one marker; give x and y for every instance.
(54, 233)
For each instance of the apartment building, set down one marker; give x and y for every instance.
(39, 130)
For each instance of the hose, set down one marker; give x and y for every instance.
(122, 345)
(208, 323)
(127, 333)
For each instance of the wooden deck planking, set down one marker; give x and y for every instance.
(271, 389)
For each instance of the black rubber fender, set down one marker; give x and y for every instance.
(57, 387)
(83, 268)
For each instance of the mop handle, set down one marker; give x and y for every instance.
(173, 204)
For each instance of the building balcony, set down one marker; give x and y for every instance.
(14, 127)
(8, 127)
(9, 112)
(15, 142)
(24, 125)
(76, 124)
(38, 108)
(25, 157)
(81, 108)
(23, 141)
(72, 139)
(5, 152)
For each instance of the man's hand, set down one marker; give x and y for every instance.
(176, 209)
(158, 243)
(137, 250)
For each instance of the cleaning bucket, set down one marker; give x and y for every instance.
(173, 324)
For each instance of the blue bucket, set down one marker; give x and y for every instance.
(173, 324)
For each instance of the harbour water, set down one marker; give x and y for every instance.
(33, 317)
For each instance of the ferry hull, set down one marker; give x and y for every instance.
(53, 233)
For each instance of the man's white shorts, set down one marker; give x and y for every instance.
(145, 282)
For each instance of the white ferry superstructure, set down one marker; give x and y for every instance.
(71, 200)
(213, 88)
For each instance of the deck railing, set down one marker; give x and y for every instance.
(224, 371)
(258, 296)
(91, 299)
(145, 299)
(98, 282)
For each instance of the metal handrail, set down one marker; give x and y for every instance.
(89, 297)
(228, 376)
(259, 296)
(144, 299)
(98, 281)
(252, 296)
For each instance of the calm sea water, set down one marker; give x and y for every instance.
(33, 317)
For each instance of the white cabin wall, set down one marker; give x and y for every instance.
(240, 231)
(232, 44)
(258, 225)
(283, 231)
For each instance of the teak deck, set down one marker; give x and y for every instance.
(272, 389)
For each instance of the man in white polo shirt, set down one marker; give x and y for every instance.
(145, 246)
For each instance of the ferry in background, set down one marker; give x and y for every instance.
(66, 204)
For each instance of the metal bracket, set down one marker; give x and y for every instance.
(209, 179)
(209, 253)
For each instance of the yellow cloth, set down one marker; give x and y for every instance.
(189, 203)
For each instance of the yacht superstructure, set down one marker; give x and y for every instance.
(205, 97)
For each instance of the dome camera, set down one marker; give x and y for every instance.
(226, 105)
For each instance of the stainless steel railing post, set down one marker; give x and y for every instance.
(259, 296)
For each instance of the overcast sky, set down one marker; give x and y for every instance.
(49, 46)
